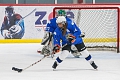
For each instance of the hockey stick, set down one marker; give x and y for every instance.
(26, 16)
(20, 70)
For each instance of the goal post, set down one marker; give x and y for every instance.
(100, 25)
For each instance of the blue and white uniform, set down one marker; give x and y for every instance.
(71, 29)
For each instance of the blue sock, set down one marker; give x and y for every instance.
(88, 58)
(59, 60)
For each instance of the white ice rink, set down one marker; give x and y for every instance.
(23, 55)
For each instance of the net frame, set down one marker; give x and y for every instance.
(117, 8)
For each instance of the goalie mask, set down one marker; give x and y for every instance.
(61, 13)
(9, 11)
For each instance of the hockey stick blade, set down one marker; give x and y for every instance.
(20, 70)
(17, 69)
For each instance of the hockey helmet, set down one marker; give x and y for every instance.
(9, 11)
(61, 19)
(61, 13)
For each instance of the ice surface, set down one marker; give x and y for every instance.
(23, 55)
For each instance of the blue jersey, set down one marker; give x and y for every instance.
(51, 26)
(8, 23)
(71, 29)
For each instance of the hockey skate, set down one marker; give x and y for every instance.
(54, 65)
(94, 65)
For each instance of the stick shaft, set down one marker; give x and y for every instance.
(26, 16)
(39, 60)
(34, 63)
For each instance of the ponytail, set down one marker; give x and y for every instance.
(65, 29)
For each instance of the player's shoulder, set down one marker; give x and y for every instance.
(53, 19)
(17, 16)
(70, 22)
(57, 29)
(68, 19)
(5, 17)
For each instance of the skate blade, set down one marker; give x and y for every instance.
(96, 69)
(54, 69)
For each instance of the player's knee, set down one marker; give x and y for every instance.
(85, 53)
(64, 54)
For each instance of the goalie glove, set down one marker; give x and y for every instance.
(45, 51)
(56, 49)
(71, 38)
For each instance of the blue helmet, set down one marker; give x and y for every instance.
(9, 11)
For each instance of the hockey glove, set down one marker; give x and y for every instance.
(6, 34)
(56, 49)
(71, 38)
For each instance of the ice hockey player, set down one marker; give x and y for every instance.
(69, 33)
(51, 26)
(11, 29)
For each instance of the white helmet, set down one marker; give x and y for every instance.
(61, 19)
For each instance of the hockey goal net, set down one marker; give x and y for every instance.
(100, 25)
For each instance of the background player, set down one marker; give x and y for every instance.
(12, 26)
(51, 26)
(70, 35)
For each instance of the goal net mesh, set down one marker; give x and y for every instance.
(99, 25)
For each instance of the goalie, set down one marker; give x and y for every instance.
(51, 26)
(10, 28)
